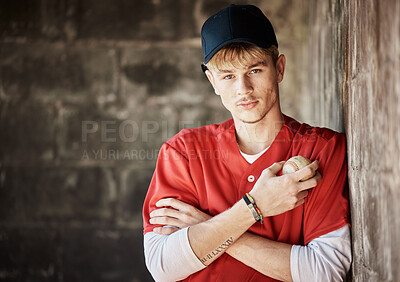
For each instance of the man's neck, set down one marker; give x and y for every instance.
(252, 138)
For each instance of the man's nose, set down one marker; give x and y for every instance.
(244, 86)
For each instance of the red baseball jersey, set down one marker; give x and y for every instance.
(204, 167)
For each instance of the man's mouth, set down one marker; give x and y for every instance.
(247, 105)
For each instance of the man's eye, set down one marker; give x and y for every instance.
(255, 71)
(229, 76)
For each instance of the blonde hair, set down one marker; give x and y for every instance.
(239, 54)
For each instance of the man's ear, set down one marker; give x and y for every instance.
(211, 80)
(280, 67)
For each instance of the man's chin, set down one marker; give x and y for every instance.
(250, 121)
(253, 120)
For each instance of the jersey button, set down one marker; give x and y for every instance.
(251, 178)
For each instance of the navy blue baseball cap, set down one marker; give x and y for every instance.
(236, 23)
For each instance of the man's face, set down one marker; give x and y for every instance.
(250, 92)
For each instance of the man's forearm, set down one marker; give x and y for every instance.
(269, 257)
(211, 238)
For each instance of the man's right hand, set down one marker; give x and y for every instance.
(278, 194)
(174, 215)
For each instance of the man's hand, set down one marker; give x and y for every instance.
(180, 215)
(278, 194)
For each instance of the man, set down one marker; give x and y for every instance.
(218, 208)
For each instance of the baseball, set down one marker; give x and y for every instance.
(296, 163)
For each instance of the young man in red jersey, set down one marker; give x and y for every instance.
(233, 216)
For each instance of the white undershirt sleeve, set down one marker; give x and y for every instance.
(326, 258)
(170, 257)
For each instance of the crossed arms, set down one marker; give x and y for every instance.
(209, 237)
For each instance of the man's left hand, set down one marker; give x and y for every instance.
(180, 215)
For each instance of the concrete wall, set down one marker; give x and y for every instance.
(357, 88)
(89, 90)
